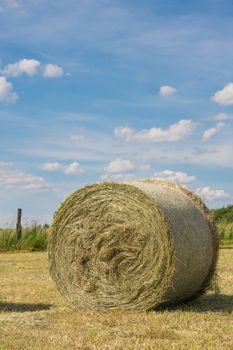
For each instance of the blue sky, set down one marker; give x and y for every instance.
(112, 90)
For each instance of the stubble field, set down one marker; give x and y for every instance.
(33, 315)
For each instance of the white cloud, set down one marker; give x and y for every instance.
(13, 179)
(208, 193)
(9, 4)
(72, 169)
(144, 167)
(76, 137)
(68, 169)
(4, 165)
(124, 132)
(173, 176)
(120, 169)
(52, 71)
(51, 166)
(175, 132)
(12, 3)
(6, 91)
(25, 66)
(32, 67)
(212, 131)
(221, 117)
(167, 90)
(118, 177)
(119, 166)
(224, 96)
(24, 181)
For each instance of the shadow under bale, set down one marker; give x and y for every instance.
(23, 307)
(206, 303)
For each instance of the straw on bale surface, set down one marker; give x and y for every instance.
(132, 246)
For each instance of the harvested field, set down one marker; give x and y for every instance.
(33, 315)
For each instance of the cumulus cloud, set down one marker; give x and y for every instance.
(119, 166)
(24, 66)
(72, 169)
(175, 132)
(51, 166)
(12, 3)
(5, 165)
(225, 96)
(52, 71)
(9, 4)
(118, 169)
(13, 179)
(68, 169)
(174, 176)
(29, 67)
(209, 194)
(118, 177)
(167, 90)
(221, 117)
(6, 91)
(125, 133)
(32, 67)
(144, 167)
(212, 131)
(122, 169)
(76, 137)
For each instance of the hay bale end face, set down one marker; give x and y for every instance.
(132, 246)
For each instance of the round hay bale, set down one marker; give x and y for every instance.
(132, 246)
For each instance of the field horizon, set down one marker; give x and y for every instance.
(35, 236)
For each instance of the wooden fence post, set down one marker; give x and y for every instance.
(18, 225)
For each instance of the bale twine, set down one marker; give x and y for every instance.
(132, 246)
